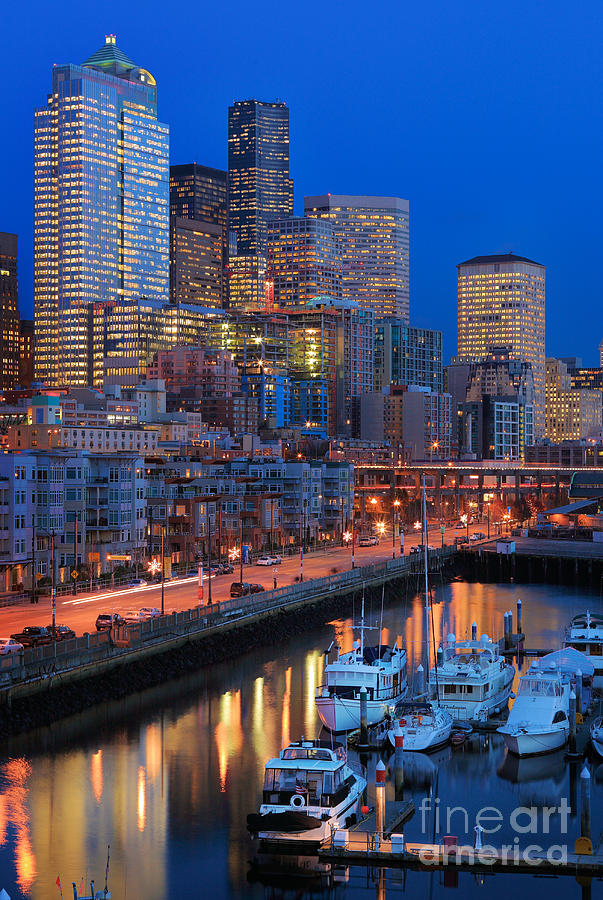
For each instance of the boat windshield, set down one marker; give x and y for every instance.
(306, 753)
(301, 781)
(532, 687)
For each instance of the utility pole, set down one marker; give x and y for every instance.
(33, 559)
(162, 570)
(241, 547)
(301, 539)
(75, 552)
(54, 588)
(219, 502)
(271, 526)
(208, 529)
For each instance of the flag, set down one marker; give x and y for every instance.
(58, 881)
(300, 787)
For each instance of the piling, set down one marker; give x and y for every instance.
(519, 617)
(579, 692)
(506, 630)
(572, 718)
(420, 680)
(379, 803)
(399, 762)
(363, 717)
(510, 626)
(474, 631)
(585, 802)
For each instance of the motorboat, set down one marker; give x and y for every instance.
(380, 669)
(539, 719)
(472, 680)
(585, 634)
(309, 791)
(424, 726)
(596, 735)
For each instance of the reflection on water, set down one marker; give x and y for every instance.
(168, 777)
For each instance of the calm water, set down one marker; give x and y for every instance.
(167, 778)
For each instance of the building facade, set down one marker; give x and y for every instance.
(501, 303)
(197, 271)
(374, 238)
(101, 214)
(10, 370)
(407, 355)
(571, 413)
(259, 185)
(304, 260)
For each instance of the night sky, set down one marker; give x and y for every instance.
(487, 117)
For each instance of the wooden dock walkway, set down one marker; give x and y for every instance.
(358, 851)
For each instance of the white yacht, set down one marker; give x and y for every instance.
(381, 670)
(538, 721)
(596, 735)
(473, 680)
(585, 634)
(309, 791)
(424, 725)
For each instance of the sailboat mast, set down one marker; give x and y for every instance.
(362, 626)
(426, 582)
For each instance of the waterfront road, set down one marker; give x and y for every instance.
(80, 612)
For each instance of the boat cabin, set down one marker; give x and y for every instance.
(315, 771)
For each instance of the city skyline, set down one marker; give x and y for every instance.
(315, 169)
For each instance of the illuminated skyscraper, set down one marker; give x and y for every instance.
(196, 269)
(304, 260)
(501, 302)
(9, 311)
(374, 237)
(259, 186)
(199, 193)
(101, 216)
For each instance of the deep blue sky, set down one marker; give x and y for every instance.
(487, 117)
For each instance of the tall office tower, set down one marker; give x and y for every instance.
(374, 236)
(196, 263)
(406, 355)
(501, 303)
(304, 260)
(259, 186)
(26, 354)
(247, 286)
(101, 212)
(199, 193)
(572, 413)
(9, 311)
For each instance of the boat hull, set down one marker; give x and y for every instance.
(482, 710)
(312, 837)
(422, 740)
(343, 714)
(521, 742)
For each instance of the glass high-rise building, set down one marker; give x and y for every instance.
(199, 194)
(501, 303)
(9, 311)
(196, 262)
(101, 205)
(259, 186)
(304, 260)
(407, 355)
(374, 238)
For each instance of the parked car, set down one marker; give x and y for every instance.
(61, 632)
(137, 582)
(418, 548)
(459, 526)
(368, 541)
(33, 636)
(239, 589)
(106, 621)
(8, 645)
(264, 561)
(227, 569)
(256, 588)
(149, 612)
(276, 560)
(134, 617)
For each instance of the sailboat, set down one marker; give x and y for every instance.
(380, 669)
(424, 724)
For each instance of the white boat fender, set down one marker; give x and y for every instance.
(297, 801)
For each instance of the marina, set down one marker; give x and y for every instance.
(184, 768)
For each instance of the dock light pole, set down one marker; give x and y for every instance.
(33, 559)
(301, 540)
(75, 552)
(241, 547)
(208, 527)
(162, 570)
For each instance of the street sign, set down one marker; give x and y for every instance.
(74, 573)
(442, 529)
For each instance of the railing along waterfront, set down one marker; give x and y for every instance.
(63, 656)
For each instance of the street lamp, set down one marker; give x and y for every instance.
(465, 521)
(434, 446)
(395, 506)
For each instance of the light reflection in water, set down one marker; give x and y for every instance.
(14, 812)
(141, 804)
(96, 775)
(286, 715)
